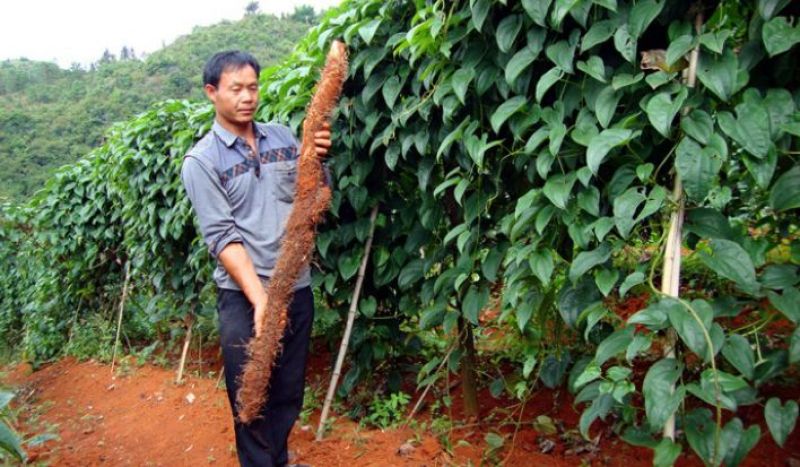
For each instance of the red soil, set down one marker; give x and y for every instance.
(144, 418)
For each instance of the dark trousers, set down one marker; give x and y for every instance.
(263, 442)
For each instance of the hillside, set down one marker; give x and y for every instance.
(50, 116)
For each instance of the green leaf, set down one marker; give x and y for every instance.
(709, 223)
(507, 32)
(348, 264)
(599, 408)
(750, 128)
(698, 167)
(561, 54)
(598, 33)
(607, 4)
(721, 74)
(541, 263)
(601, 144)
(554, 369)
(785, 193)
(698, 124)
(589, 200)
(700, 429)
(411, 273)
(9, 442)
(690, 330)
(655, 316)
(590, 373)
(779, 36)
(574, 299)
(632, 280)
(537, 10)
(747, 439)
(480, 10)
(614, 344)
(474, 301)
(625, 207)
(560, 10)
(730, 261)
(737, 352)
(557, 189)
(661, 110)
(641, 15)
(666, 453)
(623, 80)
(491, 264)
(505, 110)
(367, 31)
(715, 41)
(519, 63)
(391, 89)
(625, 43)
(461, 80)
(586, 260)
(788, 303)
(546, 81)
(594, 67)
(661, 399)
(781, 419)
(605, 106)
(769, 8)
(678, 48)
(794, 346)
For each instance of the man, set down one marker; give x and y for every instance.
(240, 179)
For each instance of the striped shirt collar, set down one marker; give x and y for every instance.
(229, 138)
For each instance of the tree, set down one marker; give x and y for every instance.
(304, 14)
(252, 8)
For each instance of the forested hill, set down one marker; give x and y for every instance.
(51, 116)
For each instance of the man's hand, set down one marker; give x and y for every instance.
(260, 314)
(322, 140)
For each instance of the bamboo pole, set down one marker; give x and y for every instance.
(351, 316)
(671, 277)
(119, 315)
(189, 323)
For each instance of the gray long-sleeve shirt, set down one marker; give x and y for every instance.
(241, 197)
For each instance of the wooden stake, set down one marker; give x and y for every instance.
(351, 316)
(119, 315)
(671, 277)
(189, 322)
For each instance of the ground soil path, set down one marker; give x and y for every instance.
(144, 418)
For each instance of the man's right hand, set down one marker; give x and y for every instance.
(238, 264)
(259, 315)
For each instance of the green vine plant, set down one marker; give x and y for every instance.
(524, 151)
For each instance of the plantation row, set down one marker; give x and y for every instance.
(521, 150)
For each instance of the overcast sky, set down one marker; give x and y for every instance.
(67, 31)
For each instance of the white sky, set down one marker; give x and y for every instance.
(67, 31)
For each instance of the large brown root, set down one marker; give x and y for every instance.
(311, 200)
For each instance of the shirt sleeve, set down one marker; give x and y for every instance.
(210, 203)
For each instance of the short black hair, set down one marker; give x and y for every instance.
(229, 59)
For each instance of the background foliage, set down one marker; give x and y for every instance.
(518, 155)
(51, 116)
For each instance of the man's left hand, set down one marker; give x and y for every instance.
(322, 140)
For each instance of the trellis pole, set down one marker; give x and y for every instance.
(351, 316)
(671, 277)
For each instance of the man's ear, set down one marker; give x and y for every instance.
(211, 92)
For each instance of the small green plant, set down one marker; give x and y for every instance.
(385, 413)
(10, 443)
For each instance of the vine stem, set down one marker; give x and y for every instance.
(351, 316)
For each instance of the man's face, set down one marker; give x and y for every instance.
(235, 98)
